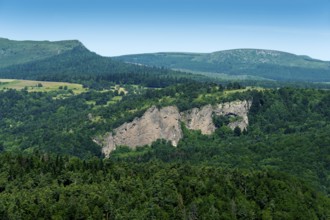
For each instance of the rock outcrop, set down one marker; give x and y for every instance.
(236, 108)
(165, 123)
(201, 118)
(155, 124)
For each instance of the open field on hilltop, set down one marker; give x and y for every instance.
(40, 86)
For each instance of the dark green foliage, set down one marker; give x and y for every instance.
(37, 121)
(237, 131)
(67, 126)
(288, 131)
(51, 187)
(234, 85)
(220, 121)
(204, 177)
(278, 168)
(288, 127)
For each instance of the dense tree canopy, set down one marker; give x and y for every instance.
(52, 168)
(278, 167)
(53, 187)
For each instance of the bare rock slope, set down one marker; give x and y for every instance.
(165, 123)
(201, 118)
(154, 124)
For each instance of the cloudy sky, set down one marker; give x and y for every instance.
(117, 27)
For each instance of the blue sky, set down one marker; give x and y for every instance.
(117, 27)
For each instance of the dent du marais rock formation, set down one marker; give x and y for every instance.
(165, 123)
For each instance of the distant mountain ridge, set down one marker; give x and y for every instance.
(71, 61)
(267, 64)
(65, 60)
(19, 52)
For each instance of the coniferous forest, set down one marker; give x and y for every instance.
(52, 167)
(278, 168)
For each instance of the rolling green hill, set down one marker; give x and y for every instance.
(71, 61)
(19, 52)
(75, 63)
(258, 64)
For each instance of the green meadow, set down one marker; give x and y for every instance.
(40, 86)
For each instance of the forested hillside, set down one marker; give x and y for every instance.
(19, 52)
(54, 187)
(257, 64)
(52, 166)
(288, 128)
(77, 64)
(71, 61)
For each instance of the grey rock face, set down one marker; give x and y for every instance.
(154, 124)
(236, 108)
(164, 123)
(199, 119)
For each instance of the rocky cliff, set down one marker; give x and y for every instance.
(201, 118)
(165, 123)
(155, 124)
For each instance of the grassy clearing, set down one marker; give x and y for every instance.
(228, 92)
(115, 88)
(114, 100)
(223, 94)
(40, 86)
